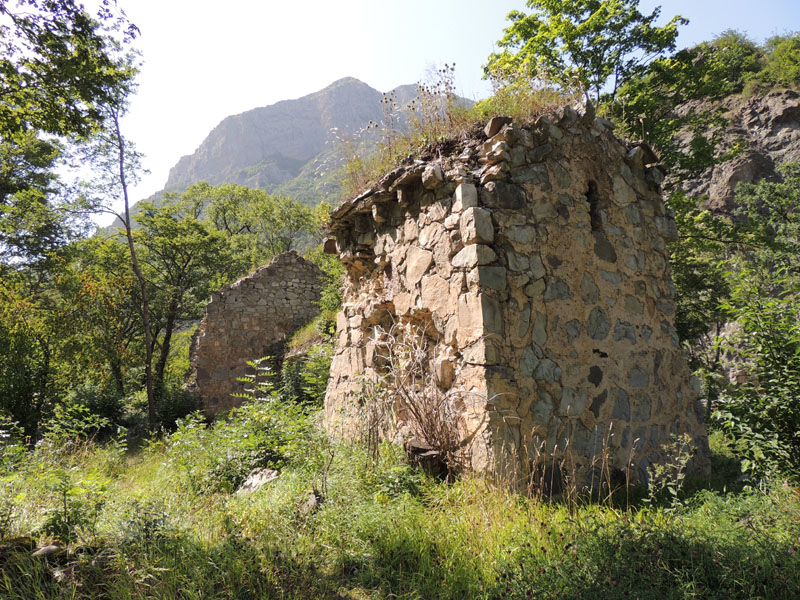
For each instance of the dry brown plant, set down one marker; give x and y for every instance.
(559, 474)
(409, 397)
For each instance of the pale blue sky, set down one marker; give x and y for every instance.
(206, 60)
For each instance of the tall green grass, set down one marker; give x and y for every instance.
(381, 530)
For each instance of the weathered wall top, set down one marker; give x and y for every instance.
(250, 319)
(534, 265)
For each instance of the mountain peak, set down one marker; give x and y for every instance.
(267, 146)
(345, 81)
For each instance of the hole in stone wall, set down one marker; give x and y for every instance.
(593, 198)
(547, 480)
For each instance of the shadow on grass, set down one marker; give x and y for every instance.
(660, 564)
(739, 545)
(178, 568)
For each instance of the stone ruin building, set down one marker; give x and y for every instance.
(531, 271)
(247, 320)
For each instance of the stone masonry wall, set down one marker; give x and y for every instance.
(535, 265)
(249, 319)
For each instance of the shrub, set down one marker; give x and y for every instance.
(762, 412)
(782, 61)
(145, 522)
(411, 396)
(173, 404)
(98, 400)
(71, 425)
(264, 432)
(78, 506)
(12, 449)
(521, 98)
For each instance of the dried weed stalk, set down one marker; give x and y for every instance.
(412, 398)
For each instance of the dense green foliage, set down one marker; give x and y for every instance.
(75, 332)
(645, 104)
(31, 227)
(762, 409)
(264, 432)
(164, 523)
(258, 225)
(581, 44)
(58, 66)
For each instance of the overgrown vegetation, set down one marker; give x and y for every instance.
(165, 523)
(80, 328)
(432, 123)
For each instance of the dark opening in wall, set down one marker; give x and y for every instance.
(593, 198)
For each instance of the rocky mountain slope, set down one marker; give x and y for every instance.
(289, 147)
(273, 146)
(763, 129)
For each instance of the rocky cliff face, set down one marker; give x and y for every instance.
(269, 146)
(765, 128)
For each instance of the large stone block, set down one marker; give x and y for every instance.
(417, 263)
(474, 255)
(476, 226)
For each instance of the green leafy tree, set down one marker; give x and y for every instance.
(116, 166)
(100, 333)
(183, 261)
(698, 261)
(26, 383)
(582, 43)
(30, 227)
(259, 225)
(782, 63)
(58, 65)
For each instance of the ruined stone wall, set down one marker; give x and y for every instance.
(249, 319)
(535, 263)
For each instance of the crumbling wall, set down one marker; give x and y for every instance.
(535, 265)
(247, 320)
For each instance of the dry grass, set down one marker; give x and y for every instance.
(417, 394)
(436, 123)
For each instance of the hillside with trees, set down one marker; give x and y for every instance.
(112, 485)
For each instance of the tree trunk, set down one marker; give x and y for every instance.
(115, 365)
(169, 327)
(145, 305)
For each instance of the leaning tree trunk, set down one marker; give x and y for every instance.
(169, 327)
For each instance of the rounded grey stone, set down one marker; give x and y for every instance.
(624, 331)
(597, 325)
(638, 378)
(557, 289)
(622, 406)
